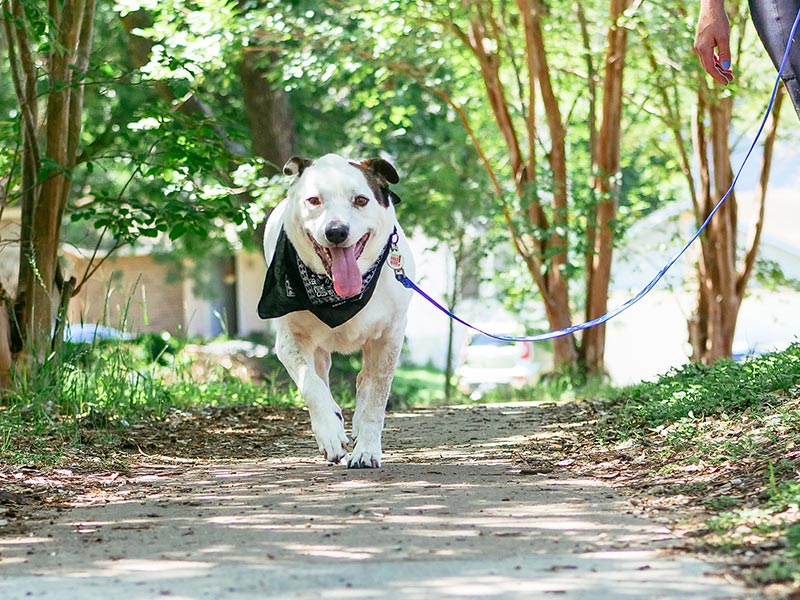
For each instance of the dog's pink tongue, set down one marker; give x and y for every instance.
(344, 269)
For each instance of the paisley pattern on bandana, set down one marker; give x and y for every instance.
(319, 288)
(290, 285)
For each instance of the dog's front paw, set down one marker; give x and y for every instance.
(331, 437)
(365, 456)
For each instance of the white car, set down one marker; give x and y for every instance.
(487, 363)
(87, 333)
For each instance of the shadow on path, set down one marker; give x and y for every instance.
(449, 515)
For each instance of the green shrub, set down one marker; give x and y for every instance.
(696, 391)
(113, 382)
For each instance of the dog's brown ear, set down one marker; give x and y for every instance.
(296, 165)
(381, 168)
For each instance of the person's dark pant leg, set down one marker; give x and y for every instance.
(773, 20)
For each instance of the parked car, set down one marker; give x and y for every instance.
(744, 349)
(487, 362)
(86, 333)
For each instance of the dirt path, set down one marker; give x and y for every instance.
(217, 508)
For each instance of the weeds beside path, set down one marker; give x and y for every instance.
(715, 452)
(736, 509)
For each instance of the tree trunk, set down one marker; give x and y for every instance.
(269, 114)
(268, 111)
(45, 190)
(723, 282)
(565, 351)
(448, 366)
(718, 262)
(544, 245)
(606, 189)
(5, 341)
(463, 253)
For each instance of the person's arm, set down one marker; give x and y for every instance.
(713, 32)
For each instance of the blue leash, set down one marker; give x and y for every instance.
(402, 278)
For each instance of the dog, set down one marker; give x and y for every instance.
(330, 288)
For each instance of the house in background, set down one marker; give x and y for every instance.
(148, 294)
(136, 291)
(9, 247)
(130, 291)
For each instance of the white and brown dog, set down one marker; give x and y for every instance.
(330, 289)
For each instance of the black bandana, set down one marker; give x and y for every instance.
(291, 286)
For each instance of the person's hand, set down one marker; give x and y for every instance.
(712, 41)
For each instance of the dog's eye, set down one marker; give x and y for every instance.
(314, 200)
(360, 201)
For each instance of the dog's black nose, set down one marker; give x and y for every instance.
(336, 232)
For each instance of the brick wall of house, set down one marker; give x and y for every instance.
(9, 249)
(135, 286)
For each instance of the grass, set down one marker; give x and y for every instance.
(553, 388)
(697, 391)
(417, 386)
(106, 386)
(739, 423)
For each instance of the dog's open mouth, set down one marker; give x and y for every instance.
(342, 266)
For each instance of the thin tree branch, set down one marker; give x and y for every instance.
(751, 247)
(17, 39)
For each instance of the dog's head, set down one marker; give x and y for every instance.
(340, 215)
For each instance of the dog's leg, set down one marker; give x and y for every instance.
(374, 384)
(327, 421)
(322, 364)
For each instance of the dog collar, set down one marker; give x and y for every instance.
(290, 285)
